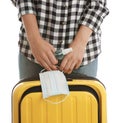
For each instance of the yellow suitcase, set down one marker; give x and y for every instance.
(85, 104)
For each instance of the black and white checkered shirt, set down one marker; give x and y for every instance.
(59, 21)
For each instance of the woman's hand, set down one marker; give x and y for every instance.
(74, 59)
(44, 54)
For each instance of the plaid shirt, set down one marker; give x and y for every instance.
(59, 21)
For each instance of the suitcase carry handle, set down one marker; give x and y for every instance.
(69, 77)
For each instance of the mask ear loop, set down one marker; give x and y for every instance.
(44, 70)
(52, 102)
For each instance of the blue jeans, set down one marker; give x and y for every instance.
(28, 69)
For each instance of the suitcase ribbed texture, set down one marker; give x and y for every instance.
(78, 108)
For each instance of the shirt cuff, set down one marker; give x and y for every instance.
(25, 7)
(93, 15)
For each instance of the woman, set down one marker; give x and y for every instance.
(49, 25)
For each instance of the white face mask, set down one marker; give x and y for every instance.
(53, 83)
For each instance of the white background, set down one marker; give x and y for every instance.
(109, 60)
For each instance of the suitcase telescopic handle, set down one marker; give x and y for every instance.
(69, 77)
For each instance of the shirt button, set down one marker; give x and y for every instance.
(60, 42)
(64, 6)
(63, 22)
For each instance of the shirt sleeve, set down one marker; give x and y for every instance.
(94, 13)
(24, 7)
(14, 2)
